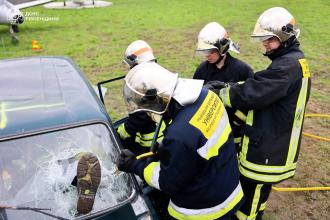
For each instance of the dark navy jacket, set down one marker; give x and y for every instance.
(194, 175)
(234, 71)
(276, 98)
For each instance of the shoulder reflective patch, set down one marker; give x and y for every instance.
(208, 115)
(305, 68)
(225, 97)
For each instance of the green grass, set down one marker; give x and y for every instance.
(96, 39)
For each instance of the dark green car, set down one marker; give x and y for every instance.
(49, 113)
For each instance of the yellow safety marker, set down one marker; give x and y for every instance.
(320, 188)
(318, 115)
(316, 136)
(148, 154)
(141, 156)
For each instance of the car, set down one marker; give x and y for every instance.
(49, 115)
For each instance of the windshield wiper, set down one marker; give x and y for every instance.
(39, 210)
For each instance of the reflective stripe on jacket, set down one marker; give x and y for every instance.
(233, 70)
(276, 98)
(198, 164)
(141, 129)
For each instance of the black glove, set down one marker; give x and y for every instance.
(126, 161)
(215, 86)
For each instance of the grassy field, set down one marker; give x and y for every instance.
(97, 38)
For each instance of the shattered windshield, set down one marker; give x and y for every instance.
(38, 171)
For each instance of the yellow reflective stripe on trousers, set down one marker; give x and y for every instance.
(299, 114)
(218, 138)
(151, 174)
(246, 139)
(241, 216)
(262, 206)
(240, 115)
(224, 96)
(122, 132)
(268, 178)
(207, 213)
(255, 201)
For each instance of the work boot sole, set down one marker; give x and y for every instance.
(89, 177)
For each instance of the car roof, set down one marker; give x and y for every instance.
(38, 93)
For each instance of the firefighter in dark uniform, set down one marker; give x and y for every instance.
(138, 130)
(214, 44)
(197, 164)
(276, 99)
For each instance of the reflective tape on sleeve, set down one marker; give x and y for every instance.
(151, 174)
(225, 97)
(122, 132)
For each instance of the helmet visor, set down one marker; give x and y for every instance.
(261, 38)
(152, 102)
(129, 62)
(204, 53)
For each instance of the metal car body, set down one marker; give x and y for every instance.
(49, 113)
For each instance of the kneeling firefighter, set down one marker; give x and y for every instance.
(197, 165)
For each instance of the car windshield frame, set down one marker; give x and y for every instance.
(113, 139)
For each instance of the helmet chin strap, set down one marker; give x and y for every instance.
(267, 53)
(221, 56)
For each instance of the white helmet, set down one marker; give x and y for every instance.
(275, 22)
(149, 87)
(215, 36)
(138, 52)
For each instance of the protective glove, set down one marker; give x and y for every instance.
(126, 161)
(215, 86)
